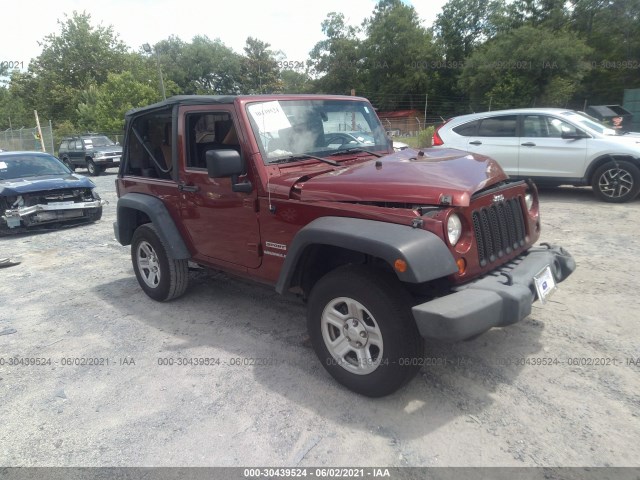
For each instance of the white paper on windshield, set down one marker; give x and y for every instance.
(269, 116)
(3, 166)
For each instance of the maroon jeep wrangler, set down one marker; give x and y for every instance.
(305, 192)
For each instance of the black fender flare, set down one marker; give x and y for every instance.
(425, 253)
(156, 211)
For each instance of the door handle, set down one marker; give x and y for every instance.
(528, 144)
(476, 142)
(188, 188)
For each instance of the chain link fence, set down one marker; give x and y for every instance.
(27, 139)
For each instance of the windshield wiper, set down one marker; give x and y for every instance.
(356, 150)
(304, 156)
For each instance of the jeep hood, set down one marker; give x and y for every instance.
(440, 176)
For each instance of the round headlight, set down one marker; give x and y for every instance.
(528, 200)
(454, 229)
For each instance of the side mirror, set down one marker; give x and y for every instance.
(574, 136)
(227, 163)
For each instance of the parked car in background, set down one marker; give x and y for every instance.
(36, 189)
(552, 147)
(360, 139)
(93, 151)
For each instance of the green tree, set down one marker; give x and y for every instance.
(86, 110)
(338, 59)
(260, 73)
(203, 66)
(527, 66)
(71, 60)
(612, 29)
(465, 24)
(13, 111)
(120, 93)
(295, 82)
(397, 49)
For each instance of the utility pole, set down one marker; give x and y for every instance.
(147, 48)
(164, 95)
(426, 102)
(35, 112)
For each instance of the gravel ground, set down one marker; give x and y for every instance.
(488, 402)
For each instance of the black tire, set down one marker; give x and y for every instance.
(170, 278)
(92, 168)
(383, 309)
(616, 182)
(69, 165)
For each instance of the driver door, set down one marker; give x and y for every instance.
(222, 224)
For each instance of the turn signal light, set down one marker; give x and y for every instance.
(462, 265)
(400, 265)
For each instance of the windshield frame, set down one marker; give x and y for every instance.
(319, 121)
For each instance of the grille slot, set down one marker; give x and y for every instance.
(499, 229)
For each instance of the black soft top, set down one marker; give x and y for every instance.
(226, 99)
(184, 100)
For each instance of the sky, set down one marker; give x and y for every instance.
(291, 26)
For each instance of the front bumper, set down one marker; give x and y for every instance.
(107, 162)
(500, 298)
(43, 213)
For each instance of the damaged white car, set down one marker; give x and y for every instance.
(37, 190)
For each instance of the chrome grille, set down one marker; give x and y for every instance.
(499, 229)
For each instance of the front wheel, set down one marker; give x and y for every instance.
(362, 330)
(160, 276)
(617, 181)
(92, 168)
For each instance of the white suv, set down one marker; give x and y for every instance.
(552, 147)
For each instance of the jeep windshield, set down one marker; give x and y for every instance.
(100, 141)
(304, 129)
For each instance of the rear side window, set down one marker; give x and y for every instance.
(149, 151)
(503, 126)
(467, 129)
(64, 145)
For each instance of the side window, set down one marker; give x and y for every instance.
(467, 129)
(208, 131)
(149, 151)
(78, 144)
(534, 126)
(64, 145)
(503, 126)
(556, 127)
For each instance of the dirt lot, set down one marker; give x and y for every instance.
(493, 401)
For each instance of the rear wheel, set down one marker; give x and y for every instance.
(161, 277)
(92, 168)
(616, 182)
(362, 330)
